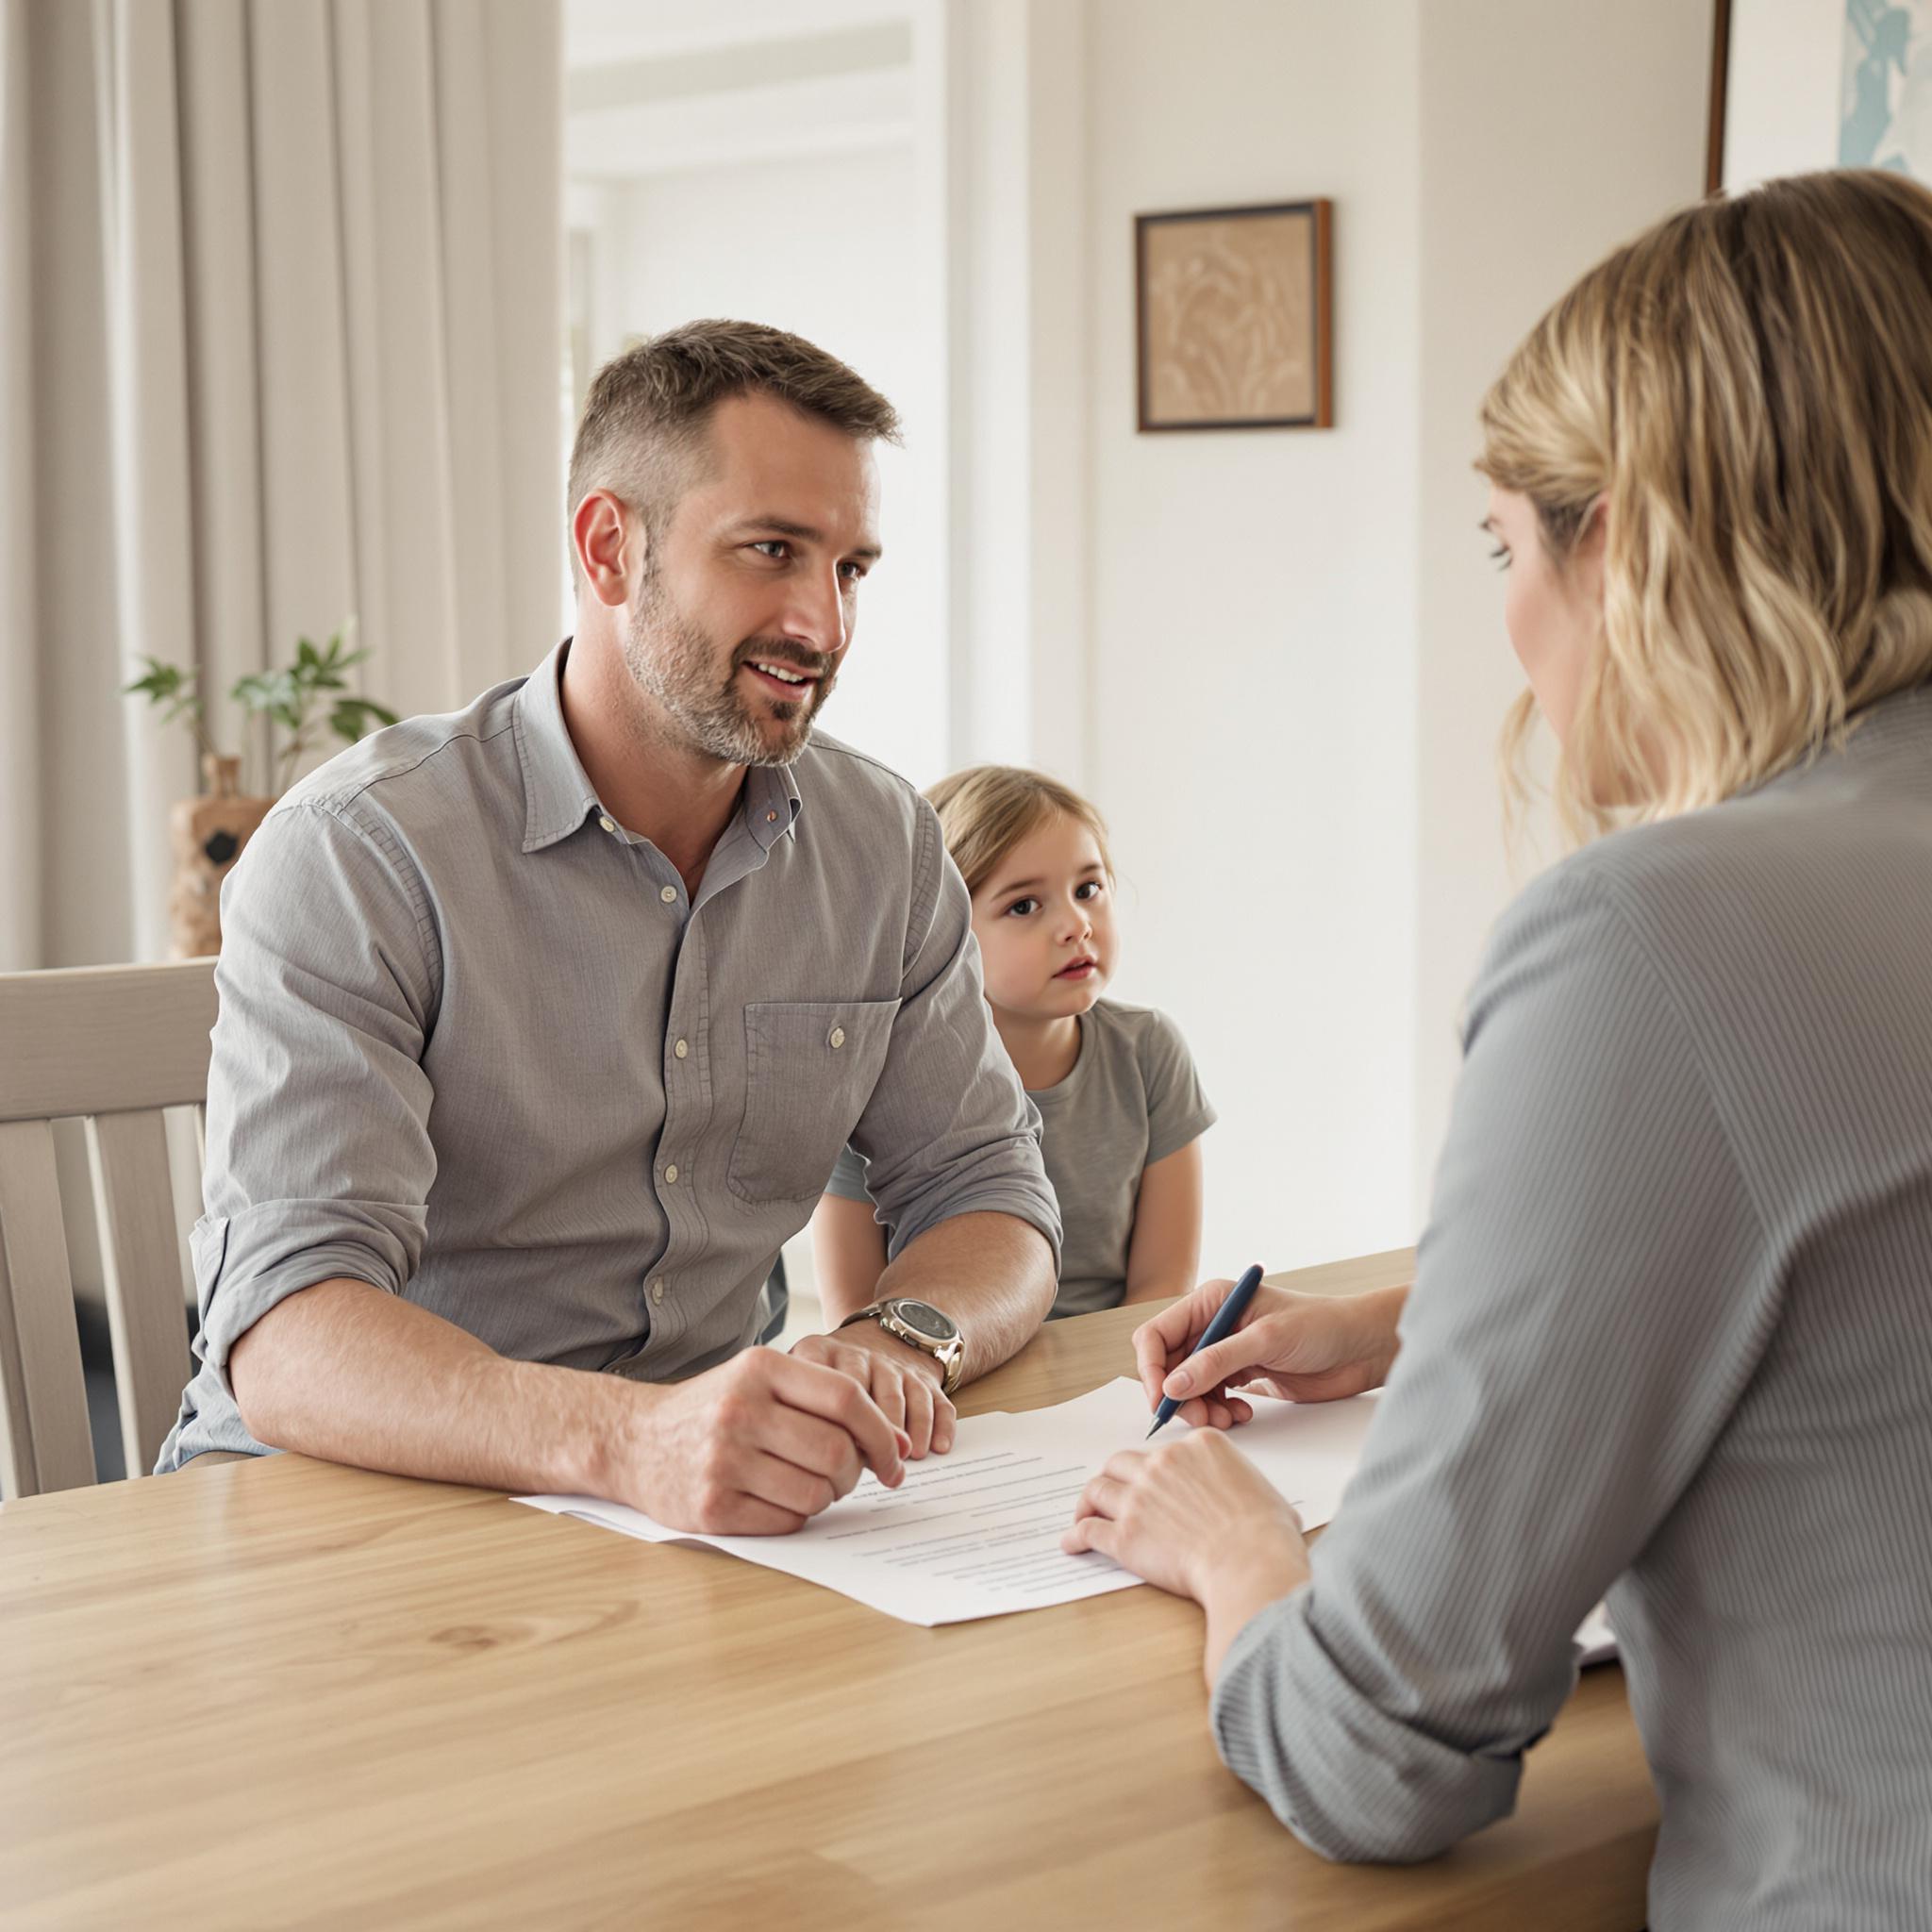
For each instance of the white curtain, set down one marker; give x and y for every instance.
(280, 342)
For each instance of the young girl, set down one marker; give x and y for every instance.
(1121, 1109)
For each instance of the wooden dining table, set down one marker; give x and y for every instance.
(286, 1693)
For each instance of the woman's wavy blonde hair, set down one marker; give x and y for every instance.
(1747, 389)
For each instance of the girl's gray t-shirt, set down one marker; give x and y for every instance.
(1133, 1098)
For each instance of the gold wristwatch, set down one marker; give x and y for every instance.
(920, 1325)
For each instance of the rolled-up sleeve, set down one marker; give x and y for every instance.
(948, 1129)
(319, 1160)
(1592, 1294)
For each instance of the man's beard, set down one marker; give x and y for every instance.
(676, 663)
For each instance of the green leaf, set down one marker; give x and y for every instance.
(352, 718)
(161, 681)
(288, 695)
(267, 690)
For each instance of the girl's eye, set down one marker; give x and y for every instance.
(1022, 907)
(1500, 555)
(1087, 889)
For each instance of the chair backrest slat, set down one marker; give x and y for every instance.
(112, 1047)
(45, 1433)
(105, 1039)
(147, 1318)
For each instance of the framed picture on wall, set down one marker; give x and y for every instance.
(1234, 314)
(1803, 84)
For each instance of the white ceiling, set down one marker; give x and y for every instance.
(654, 88)
(838, 114)
(600, 33)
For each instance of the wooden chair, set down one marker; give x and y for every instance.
(113, 1045)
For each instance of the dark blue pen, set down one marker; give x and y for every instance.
(1226, 1317)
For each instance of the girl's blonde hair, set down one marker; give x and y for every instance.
(1747, 389)
(987, 810)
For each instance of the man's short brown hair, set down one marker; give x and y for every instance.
(645, 417)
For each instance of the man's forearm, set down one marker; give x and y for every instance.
(993, 1273)
(348, 1373)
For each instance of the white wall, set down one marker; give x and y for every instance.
(1783, 105)
(1297, 661)
(1549, 133)
(1253, 620)
(1019, 341)
(819, 244)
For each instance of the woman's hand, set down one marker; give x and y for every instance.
(1195, 1517)
(1301, 1347)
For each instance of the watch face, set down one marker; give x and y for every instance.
(922, 1319)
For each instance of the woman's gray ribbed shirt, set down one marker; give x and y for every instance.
(1672, 1336)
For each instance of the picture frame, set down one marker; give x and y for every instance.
(1720, 86)
(1234, 318)
(1797, 85)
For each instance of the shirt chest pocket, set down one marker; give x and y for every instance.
(809, 1068)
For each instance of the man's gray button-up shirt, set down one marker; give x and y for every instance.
(477, 1047)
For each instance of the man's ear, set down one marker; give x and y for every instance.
(609, 546)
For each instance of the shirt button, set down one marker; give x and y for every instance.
(609, 825)
(771, 818)
(682, 1048)
(658, 1289)
(670, 1175)
(837, 1036)
(669, 895)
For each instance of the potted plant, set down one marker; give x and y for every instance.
(309, 699)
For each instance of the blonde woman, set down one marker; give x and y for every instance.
(1672, 1329)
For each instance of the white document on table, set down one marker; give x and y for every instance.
(1596, 1642)
(976, 1532)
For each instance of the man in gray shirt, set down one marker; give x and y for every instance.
(543, 1023)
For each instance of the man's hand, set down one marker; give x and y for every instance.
(904, 1381)
(755, 1447)
(1301, 1347)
